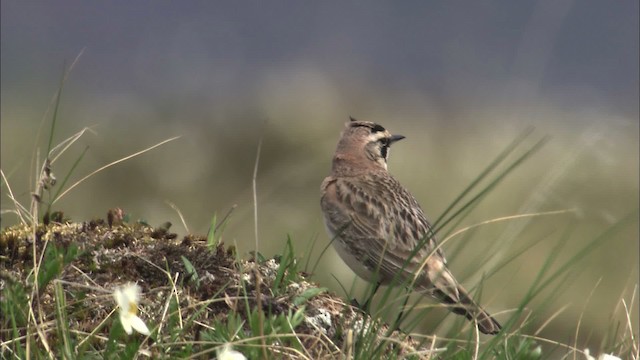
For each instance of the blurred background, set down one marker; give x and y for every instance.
(460, 80)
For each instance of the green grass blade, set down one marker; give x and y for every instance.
(56, 108)
(503, 155)
(62, 323)
(67, 176)
(465, 208)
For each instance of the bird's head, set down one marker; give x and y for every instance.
(364, 144)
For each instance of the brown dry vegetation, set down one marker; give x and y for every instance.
(98, 255)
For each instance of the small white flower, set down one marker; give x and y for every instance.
(537, 352)
(227, 353)
(587, 355)
(601, 357)
(608, 357)
(127, 298)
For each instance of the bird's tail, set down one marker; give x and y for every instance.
(464, 305)
(445, 288)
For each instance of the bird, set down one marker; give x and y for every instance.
(379, 229)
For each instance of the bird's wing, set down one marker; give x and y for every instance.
(384, 222)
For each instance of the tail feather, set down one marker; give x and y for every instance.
(440, 283)
(472, 311)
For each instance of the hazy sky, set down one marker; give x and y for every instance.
(565, 51)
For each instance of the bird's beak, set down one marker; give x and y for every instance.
(395, 138)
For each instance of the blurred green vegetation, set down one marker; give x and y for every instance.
(589, 165)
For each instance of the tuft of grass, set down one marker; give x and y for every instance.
(288, 271)
(216, 228)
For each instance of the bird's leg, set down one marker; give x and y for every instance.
(367, 304)
(396, 324)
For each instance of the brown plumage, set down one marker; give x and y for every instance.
(377, 224)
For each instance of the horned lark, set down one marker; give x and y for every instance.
(378, 227)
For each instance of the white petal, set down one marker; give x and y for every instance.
(126, 322)
(229, 354)
(139, 325)
(132, 292)
(587, 355)
(121, 300)
(608, 357)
